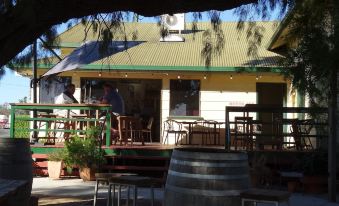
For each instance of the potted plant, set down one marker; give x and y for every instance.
(314, 168)
(260, 173)
(86, 154)
(55, 163)
(315, 172)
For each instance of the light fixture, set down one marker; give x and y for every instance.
(205, 77)
(260, 76)
(99, 74)
(166, 74)
(179, 77)
(231, 76)
(126, 75)
(74, 73)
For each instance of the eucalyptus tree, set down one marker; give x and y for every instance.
(311, 58)
(23, 21)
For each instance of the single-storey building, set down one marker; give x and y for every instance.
(161, 79)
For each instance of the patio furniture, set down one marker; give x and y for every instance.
(148, 130)
(264, 196)
(214, 130)
(173, 127)
(200, 128)
(243, 132)
(300, 130)
(134, 182)
(78, 124)
(130, 129)
(104, 178)
(9, 188)
(50, 125)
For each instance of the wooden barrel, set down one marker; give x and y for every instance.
(16, 164)
(203, 177)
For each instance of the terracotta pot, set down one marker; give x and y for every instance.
(292, 186)
(87, 174)
(54, 169)
(315, 184)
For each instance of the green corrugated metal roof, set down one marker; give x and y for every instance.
(154, 53)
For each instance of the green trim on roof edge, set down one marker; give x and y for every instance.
(96, 67)
(69, 45)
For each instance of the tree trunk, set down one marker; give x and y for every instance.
(332, 143)
(29, 19)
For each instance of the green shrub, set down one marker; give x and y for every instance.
(83, 152)
(57, 155)
(19, 125)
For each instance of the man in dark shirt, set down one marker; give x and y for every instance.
(112, 97)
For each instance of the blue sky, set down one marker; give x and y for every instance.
(14, 87)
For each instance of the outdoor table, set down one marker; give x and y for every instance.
(215, 131)
(9, 187)
(190, 128)
(134, 182)
(105, 177)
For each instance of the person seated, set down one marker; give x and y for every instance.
(65, 97)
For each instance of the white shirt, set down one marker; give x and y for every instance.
(62, 99)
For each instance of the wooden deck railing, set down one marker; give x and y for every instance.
(45, 108)
(271, 125)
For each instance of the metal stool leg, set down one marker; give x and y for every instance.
(135, 195)
(95, 193)
(113, 196)
(128, 193)
(119, 194)
(152, 196)
(109, 195)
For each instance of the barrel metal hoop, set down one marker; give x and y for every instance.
(214, 156)
(207, 164)
(209, 193)
(207, 177)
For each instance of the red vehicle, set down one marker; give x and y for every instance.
(4, 123)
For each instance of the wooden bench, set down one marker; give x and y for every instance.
(9, 188)
(138, 164)
(264, 196)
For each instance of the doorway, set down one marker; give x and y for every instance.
(272, 95)
(141, 98)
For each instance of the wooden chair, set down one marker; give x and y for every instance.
(148, 130)
(300, 130)
(201, 128)
(173, 127)
(243, 132)
(214, 130)
(130, 129)
(49, 125)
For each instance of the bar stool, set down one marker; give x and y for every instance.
(264, 196)
(104, 178)
(50, 125)
(134, 182)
